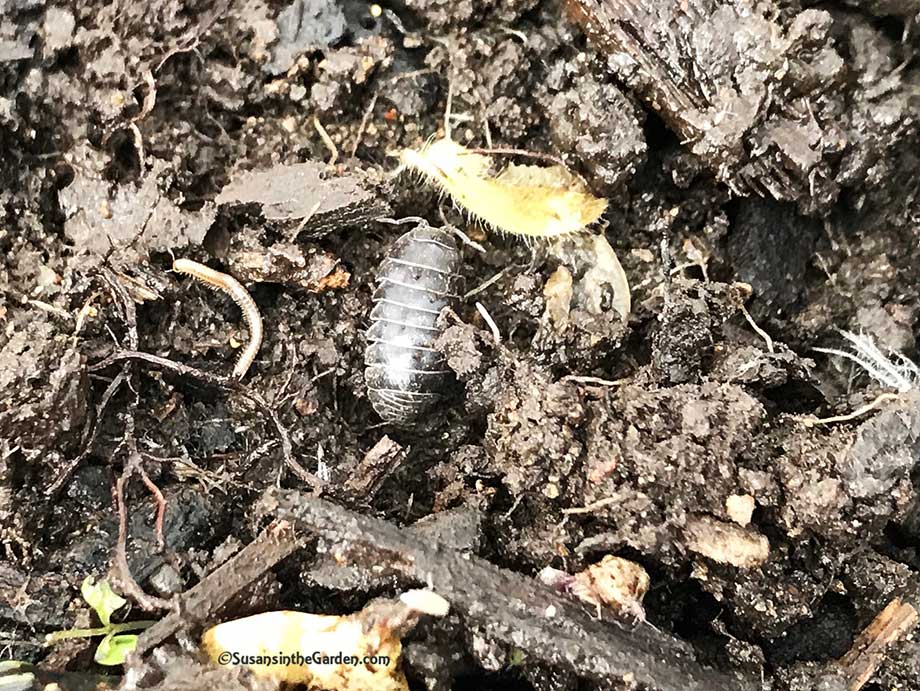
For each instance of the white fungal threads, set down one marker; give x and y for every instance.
(228, 284)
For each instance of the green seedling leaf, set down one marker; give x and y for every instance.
(516, 658)
(12, 679)
(114, 648)
(101, 598)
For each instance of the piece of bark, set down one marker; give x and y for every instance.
(378, 463)
(194, 606)
(307, 197)
(868, 650)
(735, 87)
(500, 605)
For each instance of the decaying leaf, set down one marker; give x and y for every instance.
(613, 582)
(600, 284)
(557, 292)
(533, 201)
(358, 652)
(314, 270)
(305, 193)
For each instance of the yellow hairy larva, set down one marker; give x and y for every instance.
(528, 200)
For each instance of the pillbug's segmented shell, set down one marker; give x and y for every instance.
(420, 276)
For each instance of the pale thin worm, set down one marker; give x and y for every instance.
(235, 289)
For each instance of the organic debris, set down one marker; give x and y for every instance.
(286, 263)
(504, 607)
(726, 543)
(893, 370)
(892, 624)
(613, 582)
(306, 193)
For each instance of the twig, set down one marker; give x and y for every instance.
(275, 543)
(165, 363)
(868, 650)
(504, 606)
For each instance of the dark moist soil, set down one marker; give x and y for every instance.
(127, 131)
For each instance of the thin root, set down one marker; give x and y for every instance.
(592, 507)
(327, 140)
(364, 120)
(760, 332)
(482, 286)
(812, 421)
(496, 334)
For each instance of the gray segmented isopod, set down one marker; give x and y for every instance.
(405, 374)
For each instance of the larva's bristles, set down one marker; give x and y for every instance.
(529, 201)
(221, 281)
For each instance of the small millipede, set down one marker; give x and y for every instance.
(420, 276)
(233, 288)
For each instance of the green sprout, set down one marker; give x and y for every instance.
(15, 676)
(115, 646)
(517, 657)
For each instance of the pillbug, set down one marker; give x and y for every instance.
(419, 277)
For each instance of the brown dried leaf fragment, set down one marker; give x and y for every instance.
(315, 271)
(305, 192)
(613, 582)
(558, 295)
